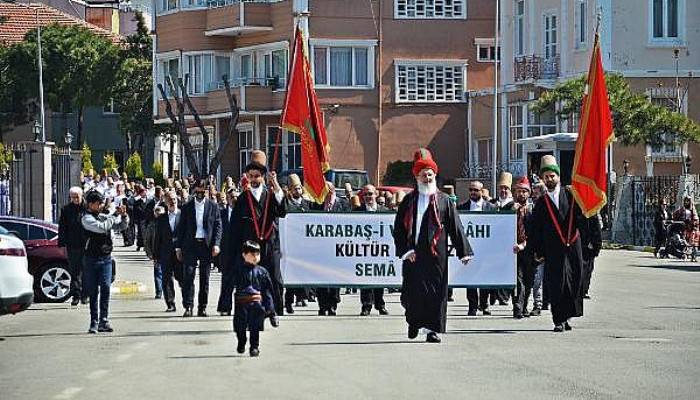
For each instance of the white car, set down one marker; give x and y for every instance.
(16, 291)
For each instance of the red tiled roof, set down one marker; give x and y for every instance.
(18, 19)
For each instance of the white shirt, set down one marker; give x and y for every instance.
(422, 206)
(554, 195)
(371, 208)
(199, 218)
(172, 218)
(503, 202)
(257, 193)
(230, 211)
(476, 205)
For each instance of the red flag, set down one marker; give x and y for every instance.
(303, 116)
(589, 181)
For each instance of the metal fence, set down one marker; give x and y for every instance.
(60, 179)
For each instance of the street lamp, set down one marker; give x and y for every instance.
(68, 138)
(688, 162)
(36, 129)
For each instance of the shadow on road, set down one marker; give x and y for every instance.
(493, 331)
(206, 357)
(50, 335)
(672, 308)
(354, 343)
(676, 266)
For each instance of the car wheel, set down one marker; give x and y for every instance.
(52, 283)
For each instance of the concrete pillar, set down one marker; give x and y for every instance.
(32, 189)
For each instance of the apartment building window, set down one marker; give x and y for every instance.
(429, 82)
(263, 65)
(486, 50)
(167, 5)
(207, 72)
(516, 130)
(580, 19)
(340, 66)
(519, 28)
(484, 149)
(246, 145)
(289, 156)
(666, 97)
(111, 107)
(550, 36)
(542, 123)
(169, 69)
(429, 9)
(665, 19)
(194, 3)
(221, 71)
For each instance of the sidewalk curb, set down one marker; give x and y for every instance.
(127, 288)
(617, 246)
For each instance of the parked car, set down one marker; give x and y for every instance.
(357, 178)
(16, 293)
(48, 263)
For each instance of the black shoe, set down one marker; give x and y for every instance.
(323, 312)
(202, 313)
(75, 301)
(433, 338)
(535, 312)
(225, 313)
(412, 332)
(518, 315)
(586, 296)
(545, 306)
(240, 349)
(502, 303)
(83, 300)
(450, 299)
(486, 312)
(382, 311)
(312, 299)
(93, 327)
(105, 327)
(159, 295)
(471, 313)
(187, 313)
(567, 327)
(558, 328)
(331, 313)
(171, 308)
(289, 309)
(254, 352)
(138, 248)
(274, 321)
(364, 312)
(303, 303)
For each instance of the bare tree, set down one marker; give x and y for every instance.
(206, 166)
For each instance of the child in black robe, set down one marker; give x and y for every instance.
(253, 299)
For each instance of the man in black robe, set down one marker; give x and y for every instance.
(424, 220)
(371, 296)
(555, 235)
(256, 218)
(295, 202)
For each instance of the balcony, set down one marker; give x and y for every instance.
(237, 18)
(254, 95)
(535, 67)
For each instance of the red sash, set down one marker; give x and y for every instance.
(569, 239)
(258, 229)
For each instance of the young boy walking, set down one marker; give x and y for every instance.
(253, 299)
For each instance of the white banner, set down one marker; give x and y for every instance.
(357, 249)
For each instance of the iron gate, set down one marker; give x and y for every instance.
(60, 180)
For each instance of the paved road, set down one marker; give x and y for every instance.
(640, 339)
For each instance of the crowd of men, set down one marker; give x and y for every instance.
(189, 225)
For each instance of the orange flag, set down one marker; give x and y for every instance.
(303, 116)
(589, 180)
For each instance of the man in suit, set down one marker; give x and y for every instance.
(478, 298)
(229, 252)
(328, 298)
(198, 241)
(375, 296)
(295, 202)
(164, 244)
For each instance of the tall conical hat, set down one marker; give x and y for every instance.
(549, 163)
(294, 180)
(505, 179)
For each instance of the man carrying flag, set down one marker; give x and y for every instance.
(302, 115)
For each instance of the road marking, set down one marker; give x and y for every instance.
(68, 393)
(123, 357)
(97, 374)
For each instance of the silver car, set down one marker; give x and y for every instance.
(16, 291)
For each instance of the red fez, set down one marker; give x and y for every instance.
(522, 183)
(422, 159)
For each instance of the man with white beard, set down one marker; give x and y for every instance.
(424, 220)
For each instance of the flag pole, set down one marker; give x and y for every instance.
(494, 151)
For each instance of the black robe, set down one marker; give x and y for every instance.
(244, 228)
(563, 265)
(424, 286)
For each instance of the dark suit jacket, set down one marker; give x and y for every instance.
(165, 240)
(228, 232)
(187, 228)
(380, 208)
